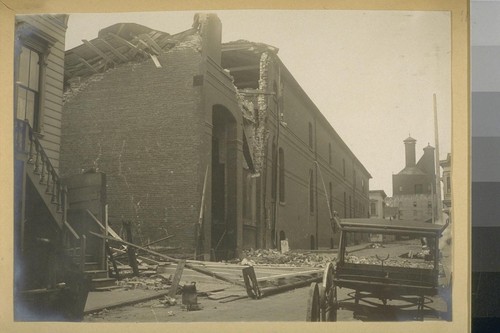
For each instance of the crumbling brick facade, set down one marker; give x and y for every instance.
(198, 136)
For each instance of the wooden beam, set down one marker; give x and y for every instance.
(151, 42)
(114, 51)
(244, 68)
(98, 51)
(86, 63)
(134, 48)
(177, 278)
(163, 256)
(148, 46)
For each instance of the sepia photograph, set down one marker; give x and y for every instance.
(236, 166)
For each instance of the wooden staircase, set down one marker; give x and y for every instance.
(67, 277)
(100, 279)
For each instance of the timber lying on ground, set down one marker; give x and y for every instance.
(168, 258)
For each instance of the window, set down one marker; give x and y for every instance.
(373, 209)
(350, 206)
(345, 205)
(330, 154)
(330, 197)
(28, 86)
(274, 171)
(247, 187)
(310, 135)
(311, 192)
(281, 163)
(343, 167)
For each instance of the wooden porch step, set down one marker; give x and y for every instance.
(100, 283)
(97, 274)
(91, 266)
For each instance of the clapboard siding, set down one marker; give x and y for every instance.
(53, 106)
(47, 24)
(52, 82)
(55, 73)
(52, 123)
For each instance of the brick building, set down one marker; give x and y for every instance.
(414, 187)
(377, 204)
(185, 127)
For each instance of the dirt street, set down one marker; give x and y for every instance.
(287, 306)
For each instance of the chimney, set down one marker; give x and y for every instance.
(210, 28)
(410, 151)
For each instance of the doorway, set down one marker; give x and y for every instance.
(224, 195)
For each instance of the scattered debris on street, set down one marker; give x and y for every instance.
(291, 258)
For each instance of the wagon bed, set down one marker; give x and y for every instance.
(399, 274)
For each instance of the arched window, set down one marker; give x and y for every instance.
(281, 163)
(311, 192)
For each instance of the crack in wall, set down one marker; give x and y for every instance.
(261, 130)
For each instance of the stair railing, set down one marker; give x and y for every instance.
(27, 142)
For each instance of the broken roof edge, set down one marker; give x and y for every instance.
(245, 45)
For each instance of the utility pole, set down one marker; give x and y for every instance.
(439, 203)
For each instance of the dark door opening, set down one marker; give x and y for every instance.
(224, 217)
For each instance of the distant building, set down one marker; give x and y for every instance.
(377, 203)
(414, 187)
(446, 179)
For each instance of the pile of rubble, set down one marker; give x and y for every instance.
(394, 262)
(272, 257)
(156, 282)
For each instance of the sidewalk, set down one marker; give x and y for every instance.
(100, 300)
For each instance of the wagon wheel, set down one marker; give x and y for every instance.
(313, 303)
(329, 304)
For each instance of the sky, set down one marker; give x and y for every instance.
(371, 73)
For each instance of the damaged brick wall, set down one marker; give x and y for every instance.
(261, 126)
(140, 125)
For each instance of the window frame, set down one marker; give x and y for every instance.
(281, 175)
(40, 42)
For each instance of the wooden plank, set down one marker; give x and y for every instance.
(243, 68)
(161, 255)
(134, 48)
(130, 250)
(86, 63)
(177, 278)
(150, 41)
(98, 51)
(113, 50)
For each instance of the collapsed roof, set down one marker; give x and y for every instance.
(120, 43)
